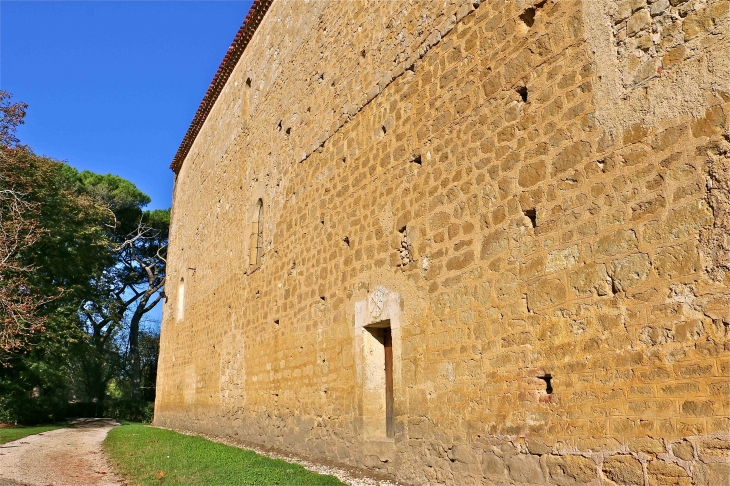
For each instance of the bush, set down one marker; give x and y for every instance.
(32, 410)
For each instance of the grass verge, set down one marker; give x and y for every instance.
(9, 434)
(145, 455)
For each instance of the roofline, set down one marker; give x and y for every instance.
(244, 35)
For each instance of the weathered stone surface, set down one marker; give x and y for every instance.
(676, 261)
(462, 453)
(570, 470)
(617, 242)
(562, 259)
(647, 445)
(532, 174)
(662, 473)
(714, 449)
(623, 470)
(524, 469)
(543, 185)
(493, 244)
(571, 156)
(629, 271)
(711, 474)
(546, 292)
(683, 450)
(538, 447)
(590, 279)
(493, 467)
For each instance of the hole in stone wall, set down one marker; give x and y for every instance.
(346, 240)
(278, 127)
(547, 378)
(528, 16)
(276, 322)
(522, 91)
(323, 298)
(362, 53)
(344, 160)
(248, 82)
(406, 256)
(416, 159)
(288, 131)
(532, 215)
(383, 130)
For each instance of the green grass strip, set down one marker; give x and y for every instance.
(145, 455)
(9, 434)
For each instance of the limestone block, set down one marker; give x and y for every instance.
(641, 20)
(623, 470)
(493, 466)
(461, 453)
(683, 450)
(532, 174)
(630, 271)
(493, 243)
(711, 450)
(647, 445)
(570, 470)
(676, 261)
(662, 473)
(571, 156)
(546, 292)
(714, 474)
(562, 259)
(617, 242)
(525, 469)
(590, 279)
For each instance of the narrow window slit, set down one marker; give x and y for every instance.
(547, 378)
(522, 91)
(532, 216)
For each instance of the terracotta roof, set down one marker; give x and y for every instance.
(244, 35)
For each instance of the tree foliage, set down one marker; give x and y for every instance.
(81, 264)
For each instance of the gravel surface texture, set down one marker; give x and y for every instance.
(63, 457)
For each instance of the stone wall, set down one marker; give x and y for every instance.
(534, 195)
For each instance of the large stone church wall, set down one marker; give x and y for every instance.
(521, 189)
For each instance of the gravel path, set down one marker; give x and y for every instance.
(63, 457)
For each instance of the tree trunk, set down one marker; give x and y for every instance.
(135, 368)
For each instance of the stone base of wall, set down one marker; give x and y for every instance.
(702, 460)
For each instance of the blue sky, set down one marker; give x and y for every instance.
(113, 86)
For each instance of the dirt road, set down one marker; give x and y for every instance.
(63, 457)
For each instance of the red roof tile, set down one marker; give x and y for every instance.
(244, 35)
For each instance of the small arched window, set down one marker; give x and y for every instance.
(257, 233)
(180, 299)
(247, 97)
